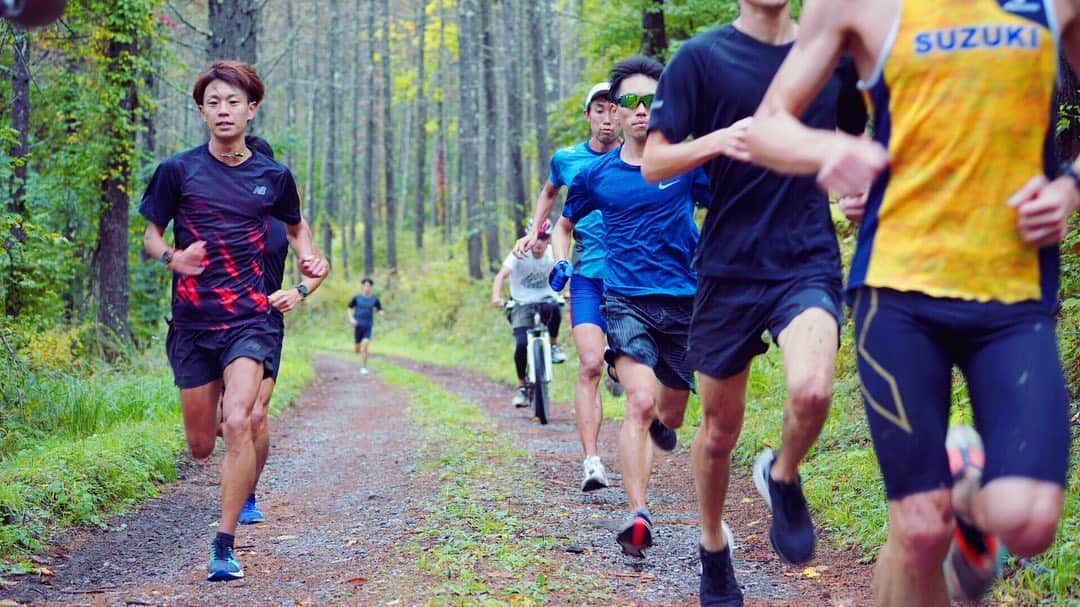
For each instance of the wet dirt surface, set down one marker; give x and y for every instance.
(341, 490)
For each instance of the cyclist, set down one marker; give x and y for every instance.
(587, 282)
(648, 280)
(956, 264)
(362, 308)
(528, 288)
(219, 196)
(769, 260)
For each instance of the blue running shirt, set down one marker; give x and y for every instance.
(589, 249)
(650, 229)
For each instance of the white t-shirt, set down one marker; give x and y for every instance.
(529, 276)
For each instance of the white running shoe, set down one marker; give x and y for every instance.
(595, 474)
(520, 399)
(557, 355)
(363, 371)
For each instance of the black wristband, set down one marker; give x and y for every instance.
(303, 290)
(1068, 170)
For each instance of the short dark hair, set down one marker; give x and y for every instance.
(259, 145)
(638, 64)
(238, 74)
(367, 281)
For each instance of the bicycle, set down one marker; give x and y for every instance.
(537, 358)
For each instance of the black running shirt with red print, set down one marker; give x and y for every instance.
(227, 207)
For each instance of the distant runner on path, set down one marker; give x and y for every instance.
(362, 308)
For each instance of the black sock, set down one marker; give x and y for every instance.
(224, 539)
(974, 538)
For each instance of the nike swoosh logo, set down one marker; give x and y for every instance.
(664, 186)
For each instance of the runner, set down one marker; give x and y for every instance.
(220, 196)
(648, 282)
(281, 301)
(956, 264)
(587, 282)
(769, 260)
(362, 309)
(528, 286)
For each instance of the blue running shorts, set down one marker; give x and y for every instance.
(585, 295)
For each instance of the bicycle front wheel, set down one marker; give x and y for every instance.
(540, 388)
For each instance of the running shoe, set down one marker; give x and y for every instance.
(363, 371)
(223, 564)
(792, 531)
(718, 587)
(250, 513)
(557, 355)
(662, 436)
(520, 398)
(595, 474)
(636, 533)
(975, 558)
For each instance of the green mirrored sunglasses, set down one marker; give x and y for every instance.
(632, 101)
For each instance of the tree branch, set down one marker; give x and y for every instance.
(192, 26)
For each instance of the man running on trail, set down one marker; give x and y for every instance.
(281, 301)
(648, 283)
(956, 264)
(529, 288)
(587, 282)
(362, 308)
(218, 197)
(768, 260)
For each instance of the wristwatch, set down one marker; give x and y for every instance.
(1068, 170)
(303, 290)
(167, 256)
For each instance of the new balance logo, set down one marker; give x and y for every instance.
(1022, 6)
(260, 190)
(664, 186)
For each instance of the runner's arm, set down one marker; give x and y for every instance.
(545, 201)
(560, 239)
(778, 140)
(312, 263)
(497, 287)
(286, 300)
(187, 261)
(664, 159)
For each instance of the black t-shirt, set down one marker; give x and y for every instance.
(761, 224)
(277, 248)
(228, 208)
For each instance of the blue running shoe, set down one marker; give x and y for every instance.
(792, 531)
(223, 565)
(250, 514)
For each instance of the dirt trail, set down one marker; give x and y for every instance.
(341, 490)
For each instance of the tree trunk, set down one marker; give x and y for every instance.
(442, 212)
(354, 150)
(539, 86)
(290, 86)
(491, 142)
(468, 130)
(421, 130)
(653, 37)
(369, 149)
(112, 249)
(20, 123)
(388, 142)
(313, 108)
(233, 24)
(514, 97)
(330, 191)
